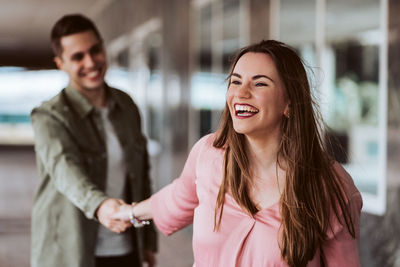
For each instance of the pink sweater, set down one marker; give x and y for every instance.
(241, 239)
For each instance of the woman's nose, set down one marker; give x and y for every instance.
(243, 91)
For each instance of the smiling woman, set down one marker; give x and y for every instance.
(256, 96)
(277, 156)
(262, 190)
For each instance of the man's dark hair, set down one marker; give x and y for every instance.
(67, 25)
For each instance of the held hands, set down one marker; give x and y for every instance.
(118, 216)
(106, 215)
(126, 213)
(123, 214)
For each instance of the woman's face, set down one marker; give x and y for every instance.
(256, 96)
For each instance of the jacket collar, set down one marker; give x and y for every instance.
(83, 106)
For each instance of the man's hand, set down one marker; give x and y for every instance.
(149, 257)
(123, 213)
(105, 214)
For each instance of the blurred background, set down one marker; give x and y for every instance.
(172, 57)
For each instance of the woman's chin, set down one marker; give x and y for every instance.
(240, 130)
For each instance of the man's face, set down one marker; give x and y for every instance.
(83, 59)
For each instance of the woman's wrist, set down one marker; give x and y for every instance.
(136, 222)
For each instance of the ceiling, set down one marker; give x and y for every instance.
(25, 24)
(25, 28)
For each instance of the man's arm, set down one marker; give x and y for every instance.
(63, 161)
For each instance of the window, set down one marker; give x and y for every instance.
(216, 37)
(344, 40)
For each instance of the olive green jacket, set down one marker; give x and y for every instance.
(72, 162)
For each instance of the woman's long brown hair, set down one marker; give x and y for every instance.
(312, 188)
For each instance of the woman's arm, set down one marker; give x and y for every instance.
(341, 249)
(142, 210)
(173, 206)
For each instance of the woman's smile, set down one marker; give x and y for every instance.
(243, 111)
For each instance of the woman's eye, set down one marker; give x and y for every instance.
(261, 84)
(235, 82)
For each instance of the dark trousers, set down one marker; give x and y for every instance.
(130, 260)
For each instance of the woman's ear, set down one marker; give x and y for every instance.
(286, 111)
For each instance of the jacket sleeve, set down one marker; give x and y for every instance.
(63, 162)
(341, 248)
(149, 233)
(173, 206)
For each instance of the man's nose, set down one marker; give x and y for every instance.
(89, 61)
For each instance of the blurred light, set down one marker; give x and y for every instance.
(21, 90)
(208, 91)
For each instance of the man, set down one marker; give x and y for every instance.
(92, 158)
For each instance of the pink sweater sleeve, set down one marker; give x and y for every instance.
(342, 249)
(173, 206)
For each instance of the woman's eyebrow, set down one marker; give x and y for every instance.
(236, 75)
(255, 77)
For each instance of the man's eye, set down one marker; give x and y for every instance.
(95, 50)
(77, 57)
